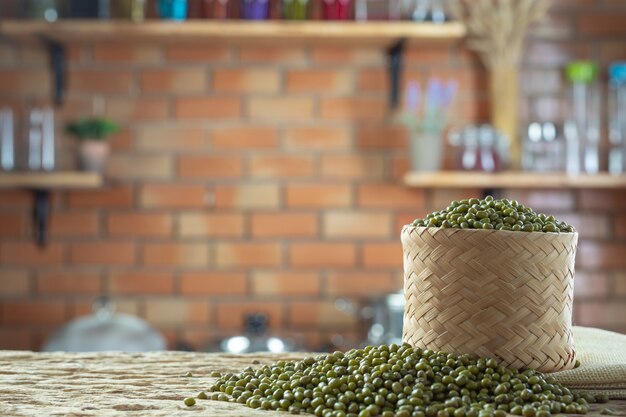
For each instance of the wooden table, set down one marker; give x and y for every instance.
(116, 384)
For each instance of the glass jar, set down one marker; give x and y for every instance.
(255, 9)
(134, 10)
(172, 9)
(47, 10)
(617, 118)
(377, 9)
(582, 126)
(337, 9)
(7, 140)
(295, 9)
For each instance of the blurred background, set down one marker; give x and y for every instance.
(241, 185)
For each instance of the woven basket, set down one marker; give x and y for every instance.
(491, 293)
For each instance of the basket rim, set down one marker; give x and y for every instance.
(452, 231)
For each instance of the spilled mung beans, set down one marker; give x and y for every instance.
(490, 213)
(398, 381)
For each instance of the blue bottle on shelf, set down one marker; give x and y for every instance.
(173, 9)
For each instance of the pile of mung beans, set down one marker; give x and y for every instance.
(397, 381)
(490, 213)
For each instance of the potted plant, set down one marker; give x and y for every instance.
(92, 135)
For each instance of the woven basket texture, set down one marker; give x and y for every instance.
(491, 293)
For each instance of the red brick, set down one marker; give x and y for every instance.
(351, 224)
(14, 282)
(211, 166)
(550, 200)
(356, 109)
(389, 196)
(606, 200)
(322, 255)
(65, 282)
(208, 108)
(229, 255)
(213, 283)
(192, 53)
(15, 198)
(598, 24)
(170, 138)
(192, 80)
(590, 285)
(247, 196)
(430, 54)
(121, 141)
(139, 224)
(17, 339)
(24, 82)
(172, 196)
(29, 254)
(372, 56)
(353, 166)
(382, 137)
(120, 53)
(319, 81)
(176, 254)
(249, 137)
(285, 283)
(362, 284)
(319, 195)
(273, 55)
(12, 225)
(40, 313)
(620, 283)
(32, 55)
(601, 313)
(232, 315)
(102, 253)
(284, 225)
(281, 166)
(281, 108)
(246, 80)
(317, 138)
(140, 108)
(109, 197)
(98, 81)
(320, 314)
(382, 255)
(620, 226)
(74, 224)
(141, 283)
(600, 255)
(372, 79)
(177, 312)
(589, 226)
(211, 224)
(138, 166)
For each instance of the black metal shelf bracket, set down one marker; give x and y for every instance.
(394, 60)
(58, 66)
(41, 216)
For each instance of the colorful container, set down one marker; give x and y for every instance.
(337, 9)
(134, 10)
(172, 9)
(255, 9)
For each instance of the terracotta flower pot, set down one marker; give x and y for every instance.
(92, 155)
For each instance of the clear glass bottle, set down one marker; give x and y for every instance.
(582, 126)
(617, 118)
(47, 10)
(7, 144)
(41, 148)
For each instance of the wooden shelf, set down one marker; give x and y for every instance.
(251, 33)
(50, 180)
(457, 179)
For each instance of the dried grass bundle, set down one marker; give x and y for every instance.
(496, 28)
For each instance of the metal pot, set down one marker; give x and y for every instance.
(105, 330)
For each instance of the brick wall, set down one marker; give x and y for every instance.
(254, 179)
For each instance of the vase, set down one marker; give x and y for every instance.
(92, 155)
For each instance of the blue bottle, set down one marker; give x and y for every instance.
(173, 9)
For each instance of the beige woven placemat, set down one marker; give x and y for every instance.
(602, 370)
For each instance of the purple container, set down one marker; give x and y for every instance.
(255, 9)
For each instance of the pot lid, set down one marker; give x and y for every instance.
(106, 330)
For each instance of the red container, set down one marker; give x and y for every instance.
(337, 9)
(210, 9)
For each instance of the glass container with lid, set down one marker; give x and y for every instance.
(617, 118)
